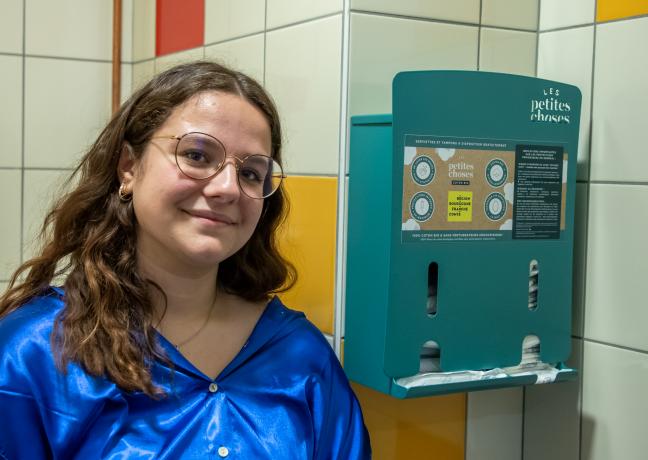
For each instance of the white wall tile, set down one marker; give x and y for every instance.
(126, 82)
(142, 73)
(566, 56)
(10, 191)
(11, 26)
(169, 60)
(620, 111)
(507, 51)
(143, 30)
(614, 404)
(518, 14)
(127, 31)
(561, 13)
(282, 12)
(69, 28)
(617, 265)
(243, 54)
(225, 19)
(494, 425)
(552, 416)
(303, 74)
(383, 46)
(42, 188)
(456, 10)
(67, 103)
(11, 111)
(580, 253)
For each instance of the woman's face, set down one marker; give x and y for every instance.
(188, 224)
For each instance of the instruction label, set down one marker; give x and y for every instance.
(468, 189)
(538, 192)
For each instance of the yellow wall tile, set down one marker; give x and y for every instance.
(308, 241)
(606, 10)
(421, 428)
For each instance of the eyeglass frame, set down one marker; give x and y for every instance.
(237, 163)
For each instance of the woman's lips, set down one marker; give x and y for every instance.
(212, 217)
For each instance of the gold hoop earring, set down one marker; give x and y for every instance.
(124, 196)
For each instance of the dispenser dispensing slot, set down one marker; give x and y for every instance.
(534, 277)
(433, 289)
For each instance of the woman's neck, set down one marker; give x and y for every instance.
(190, 295)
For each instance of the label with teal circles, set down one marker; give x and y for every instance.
(496, 172)
(495, 206)
(423, 170)
(422, 206)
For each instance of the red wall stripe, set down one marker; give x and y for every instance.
(180, 25)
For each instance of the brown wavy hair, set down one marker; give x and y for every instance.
(90, 235)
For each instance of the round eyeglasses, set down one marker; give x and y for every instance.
(201, 156)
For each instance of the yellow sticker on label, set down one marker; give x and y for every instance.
(459, 206)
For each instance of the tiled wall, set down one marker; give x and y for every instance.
(324, 61)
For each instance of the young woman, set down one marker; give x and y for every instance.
(165, 340)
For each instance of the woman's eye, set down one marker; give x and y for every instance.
(196, 156)
(251, 175)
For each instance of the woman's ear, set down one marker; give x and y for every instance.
(127, 164)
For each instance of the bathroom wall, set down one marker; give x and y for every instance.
(323, 61)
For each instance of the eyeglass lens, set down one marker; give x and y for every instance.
(200, 156)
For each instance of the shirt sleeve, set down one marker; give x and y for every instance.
(340, 432)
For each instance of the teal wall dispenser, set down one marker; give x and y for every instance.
(460, 234)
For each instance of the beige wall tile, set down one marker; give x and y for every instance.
(383, 46)
(518, 14)
(559, 13)
(11, 111)
(127, 31)
(170, 60)
(11, 26)
(456, 10)
(620, 110)
(225, 19)
(552, 416)
(67, 103)
(69, 28)
(142, 73)
(494, 424)
(42, 188)
(283, 12)
(566, 56)
(507, 51)
(614, 403)
(143, 30)
(126, 82)
(580, 253)
(10, 191)
(617, 265)
(303, 74)
(243, 54)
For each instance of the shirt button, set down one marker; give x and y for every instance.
(213, 388)
(223, 451)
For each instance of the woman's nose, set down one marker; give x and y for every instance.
(225, 182)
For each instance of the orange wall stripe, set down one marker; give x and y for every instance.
(307, 239)
(607, 10)
(430, 428)
(180, 25)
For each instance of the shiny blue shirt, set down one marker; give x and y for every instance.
(284, 396)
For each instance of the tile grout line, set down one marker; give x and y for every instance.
(585, 256)
(440, 21)
(615, 345)
(340, 237)
(467, 428)
(304, 21)
(265, 39)
(238, 37)
(479, 31)
(22, 140)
